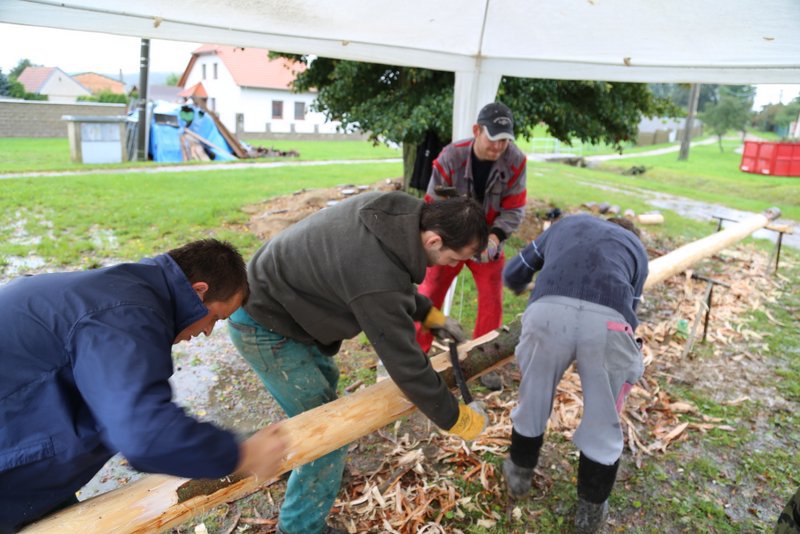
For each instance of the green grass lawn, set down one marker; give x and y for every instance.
(69, 219)
(18, 155)
(711, 176)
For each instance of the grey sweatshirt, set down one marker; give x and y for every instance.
(349, 268)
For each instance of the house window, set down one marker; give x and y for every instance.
(212, 104)
(204, 72)
(277, 109)
(215, 71)
(299, 111)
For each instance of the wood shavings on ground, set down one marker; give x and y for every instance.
(427, 484)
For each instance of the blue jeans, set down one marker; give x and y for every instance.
(300, 378)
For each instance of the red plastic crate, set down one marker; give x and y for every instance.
(774, 159)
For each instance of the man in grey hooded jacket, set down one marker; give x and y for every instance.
(350, 268)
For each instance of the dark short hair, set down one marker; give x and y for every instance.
(216, 263)
(460, 222)
(627, 224)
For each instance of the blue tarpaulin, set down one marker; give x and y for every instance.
(168, 123)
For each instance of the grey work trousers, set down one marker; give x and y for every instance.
(557, 331)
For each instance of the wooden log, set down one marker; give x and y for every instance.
(650, 218)
(205, 141)
(682, 258)
(158, 502)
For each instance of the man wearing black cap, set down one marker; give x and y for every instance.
(490, 169)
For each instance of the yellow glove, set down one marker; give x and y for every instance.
(434, 319)
(472, 420)
(443, 327)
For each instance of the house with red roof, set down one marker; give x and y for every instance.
(249, 90)
(97, 83)
(53, 82)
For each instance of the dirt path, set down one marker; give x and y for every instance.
(217, 167)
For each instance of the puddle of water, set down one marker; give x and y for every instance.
(17, 265)
(103, 238)
(702, 211)
(212, 383)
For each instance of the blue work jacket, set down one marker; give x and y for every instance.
(86, 358)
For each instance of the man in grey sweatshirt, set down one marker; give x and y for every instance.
(350, 268)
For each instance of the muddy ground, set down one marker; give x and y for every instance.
(214, 384)
(732, 371)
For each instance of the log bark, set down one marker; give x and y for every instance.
(157, 502)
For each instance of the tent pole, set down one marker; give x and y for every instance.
(144, 65)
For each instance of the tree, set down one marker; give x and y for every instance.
(678, 94)
(173, 79)
(401, 104)
(5, 84)
(15, 89)
(731, 113)
(22, 64)
(710, 94)
(105, 96)
(777, 117)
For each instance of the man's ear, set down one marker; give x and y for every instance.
(476, 130)
(200, 288)
(431, 240)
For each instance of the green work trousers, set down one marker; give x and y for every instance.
(300, 378)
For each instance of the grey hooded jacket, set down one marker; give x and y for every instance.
(349, 268)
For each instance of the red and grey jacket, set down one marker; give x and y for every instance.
(504, 199)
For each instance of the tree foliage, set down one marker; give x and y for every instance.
(678, 94)
(22, 64)
(5, 84)
(777, 117)
(400, 104)
(731, 113)
(14, 88)
(172, 79)
(710, 94)
(105, 96)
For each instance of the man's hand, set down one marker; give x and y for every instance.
(492, 251)
(472, 421)
(444, 328)
(261, 454)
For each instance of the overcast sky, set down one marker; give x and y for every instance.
(75, 52)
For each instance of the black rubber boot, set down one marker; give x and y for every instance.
(518, 466)
(519, 480)
(595, 482)
(590, 517)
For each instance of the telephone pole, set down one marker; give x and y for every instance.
(694, 97)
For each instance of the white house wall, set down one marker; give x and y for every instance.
(255, 104)
(61, 88)
(222, 89)
(256, 107)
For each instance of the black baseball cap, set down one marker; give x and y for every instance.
(498, 120)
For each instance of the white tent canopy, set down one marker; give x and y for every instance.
(701, 41)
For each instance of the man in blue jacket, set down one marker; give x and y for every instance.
(86, 359)
(582, 309)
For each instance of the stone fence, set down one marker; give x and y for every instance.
(31, 118)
